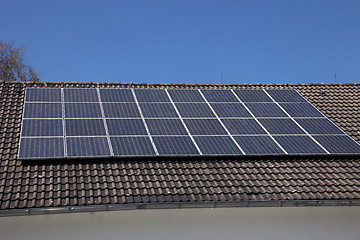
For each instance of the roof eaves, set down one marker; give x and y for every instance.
(179, 205)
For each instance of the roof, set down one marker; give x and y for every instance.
(175, 182)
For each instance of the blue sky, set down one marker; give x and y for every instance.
(153, 41)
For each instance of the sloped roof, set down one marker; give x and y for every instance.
(191, 182)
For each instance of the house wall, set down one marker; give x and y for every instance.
(222, 223)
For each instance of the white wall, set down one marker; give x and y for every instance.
(222, 223)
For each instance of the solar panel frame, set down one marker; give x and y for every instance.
(218, 99)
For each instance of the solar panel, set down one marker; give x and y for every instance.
(247, 95)
(184, 95)
(192, 110)
(217, 145)
(175, 145)
(87, 146)
(73, 123)
(43, 110)
(82, 110)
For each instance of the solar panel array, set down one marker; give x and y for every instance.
(73, 123)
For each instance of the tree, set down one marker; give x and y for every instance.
(12, 66)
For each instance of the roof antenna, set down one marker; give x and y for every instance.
(222, 80)
(335, 78)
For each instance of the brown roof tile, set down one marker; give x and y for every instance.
(122, 181)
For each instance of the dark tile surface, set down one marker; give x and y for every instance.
(120, 181)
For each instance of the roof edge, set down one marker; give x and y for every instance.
(179, 205)
(40, 83)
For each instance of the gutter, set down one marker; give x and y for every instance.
(178, 205)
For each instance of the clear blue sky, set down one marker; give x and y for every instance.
(171, 41)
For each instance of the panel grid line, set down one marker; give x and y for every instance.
(105, 124)
(183, 123)
(143, 120)
(222, 124)
(296, 122)
(63, 121)
(262, 126)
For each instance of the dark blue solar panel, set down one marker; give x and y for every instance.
(42, 127)
(220, 145)
(82, 110)
(258, 145)
(301, 110)
(230, 110)
(87, 146)
(43, 95)
(132, 146)
(43, 110)
(281, 126)
(126, 127)
(219, 96)
(151, 95)
(246, 95)
(243, 126)
(175, 146)
(166, 127)
(319, 126)
(158, 110)
(281, 95)
(338, 144)
(299, 144)
(84, 127)
(183, 95)
(205, 127)
(121, 110)
(80, 95)
(41, 148)
(265, 110)
(116, 95)
(194, 110)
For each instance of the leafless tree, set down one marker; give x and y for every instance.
(12, 67)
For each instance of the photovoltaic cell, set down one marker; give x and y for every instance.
(188, 110)
(218, 145)
(281, 126)
(132, 146)
(42, 127)
(243, 126)
(121, 110)
(80, 95)
(126, 127)
(87, 146)
(205, 127)
(301, 110)
(230, 110)
(338, 144)
(151, 95)
(175, 146)
(166, 127)
(258, 145)
(183, 95)
(43, 110)
(219, 96)
(319, 126)
(246, 95)
(116, 95)
(158, 110)
(82, 110)
(289, 95)
(41, 148)
(265, 110)
(43, 95)
(46, 109)
(84, 127)
(299, 144)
